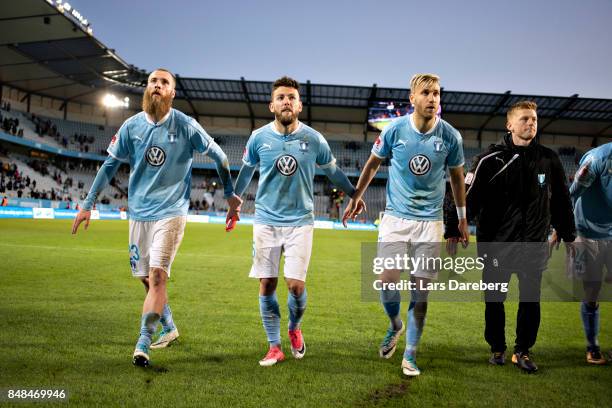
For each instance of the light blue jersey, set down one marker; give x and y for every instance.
(160, 156)
(287, 166)
(415, 188)
(591, 192)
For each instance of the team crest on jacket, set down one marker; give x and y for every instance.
(420, 164)
(541, 179)
(303, 145)
(156, 156)
(286, 165)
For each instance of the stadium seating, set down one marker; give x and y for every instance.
(350, 156)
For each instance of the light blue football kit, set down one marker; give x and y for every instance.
(415, 188)
(160, 156)
(591, 193)
(287, 165)
(413, 211)
(284, 210)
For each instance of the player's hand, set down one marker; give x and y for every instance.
(233, 213)
(82, 215)
(465, 234)
(451, 246)
(234, 202)
(553, 243)
(352, 210)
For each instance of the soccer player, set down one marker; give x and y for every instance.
(516, 190)
(158, 144)
(287, 152)
(421, 147)
(591, 193)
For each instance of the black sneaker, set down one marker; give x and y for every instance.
(595, 357)
(522, 361)
(498, 358)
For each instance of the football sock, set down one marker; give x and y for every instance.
(590, 321)
(416, 323)
(270, 317)
(166, 319)
(148, 326)
(391, 302)
(297, 306)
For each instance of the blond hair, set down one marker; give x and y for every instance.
(521, 105)
(420, 80)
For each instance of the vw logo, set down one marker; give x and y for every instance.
(420, 164)
(286, 165)
(156, 156)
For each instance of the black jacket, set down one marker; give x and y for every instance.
(515, 193)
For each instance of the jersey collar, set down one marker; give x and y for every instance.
(429, 131)
(284, 135)
(161, 122)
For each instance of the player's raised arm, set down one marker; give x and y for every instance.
(105, 175)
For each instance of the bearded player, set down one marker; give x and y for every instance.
(287, 152)
(158, 144)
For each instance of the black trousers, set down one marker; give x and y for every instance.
(529, 273)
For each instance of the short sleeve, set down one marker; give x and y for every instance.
(382, 144)
(455, 152)
(325, 158)
(119, 144)
(250, 156)
(198, 137)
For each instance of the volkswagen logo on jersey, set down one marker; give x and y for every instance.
(156, 156)
(420, 164)
(286, 165)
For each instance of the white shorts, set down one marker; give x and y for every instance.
(153, 244)
(269, 242)
(417, 239)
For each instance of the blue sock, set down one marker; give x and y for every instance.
(416, 323)
(270, 317)
(590, 321)
(390, 300)
(166, 319)
(297, 306)
(148, 326)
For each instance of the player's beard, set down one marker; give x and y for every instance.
(156, 107)
(285, 120)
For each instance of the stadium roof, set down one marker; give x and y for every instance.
(45, 50)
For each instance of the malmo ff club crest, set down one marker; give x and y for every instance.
(420, 164)
(286, 165)
(156, 156)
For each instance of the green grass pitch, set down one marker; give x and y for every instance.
(70, 318)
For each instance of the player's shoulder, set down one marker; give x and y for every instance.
(448, 131)
(182, 119)
(134, 120)
(403, 122)
(262, 132)
(311, 133)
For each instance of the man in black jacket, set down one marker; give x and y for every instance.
(515, 191)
